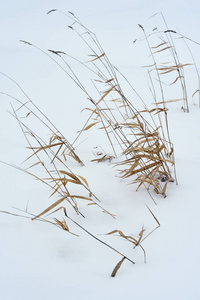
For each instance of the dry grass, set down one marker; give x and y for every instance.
(147, 154)
(140, 139)
(166, 49)
(60, 181)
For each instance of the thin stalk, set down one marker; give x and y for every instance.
(159, 80)
(177, 62)
(195, 65)
(93, 236)
(65, 141)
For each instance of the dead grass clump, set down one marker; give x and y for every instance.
(165, 47)
(139, 139)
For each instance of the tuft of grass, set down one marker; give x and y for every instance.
(140, 142)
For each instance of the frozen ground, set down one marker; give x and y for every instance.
(40, 261)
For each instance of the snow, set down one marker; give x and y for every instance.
(40, 261)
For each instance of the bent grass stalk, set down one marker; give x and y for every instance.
(47, 121)
(63, 225)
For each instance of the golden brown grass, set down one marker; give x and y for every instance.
(139, 138)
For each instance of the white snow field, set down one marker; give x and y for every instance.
(40, 261)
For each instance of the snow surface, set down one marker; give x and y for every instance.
(40, 261)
